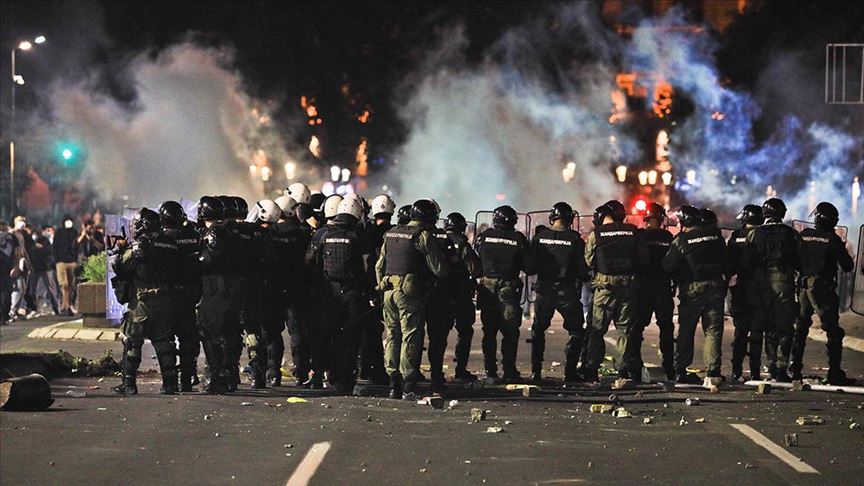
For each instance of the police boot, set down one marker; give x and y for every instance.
(166, 354)
(188, 368)
(274, 377)
(215, 351)
(538, 348)
(395, 387)
(739, 350)
(409, 391)
(463, 374)
(131, 361)
(185, 382)
(755, 354)
(128, 386)
(836, 375)
(315, 382)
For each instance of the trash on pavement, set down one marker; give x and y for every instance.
(494, 430)
(453, 404)
(692, 402)
(854, 426)
(700, 420)
(76, 394)
(296, 400)
(621, 412)
(810, 420)
(435, 402)
(478, 414)
(601, 408)
(208, 417)
(30, 392)
(791, 440)
(682, 421)
(245, 404)
(647, 420)
(622, 383)
(763, 388)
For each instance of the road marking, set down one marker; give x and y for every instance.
(850, 342)
(781, 453)
(309, 465)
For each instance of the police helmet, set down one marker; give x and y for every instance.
(331, 206)
(751, 215)
(708, 217)
(145, 221)
(689, 216)
(266, 211)
(424, 210)
(288, 206)
(210, 209)
(455, 221)
(350, 206)
(562, 211)
(403, 216)
(383, 205)
(618, 211)
(826, 216)
(171, 214)
(229, 211)
(240, 207)
(504, 217)
(300, 192)
(654, 211)
(774, 208)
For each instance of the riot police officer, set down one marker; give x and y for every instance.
(405, 271)
(461, 285)
(149, 263)
(340, 254)
(560, 255)
(697, 258)
(822, 251)
(617, 254)
(504, 252)
(403, 216)
(371, 344)
(739, 292)
(221, 283)
(186, 287)
(771, 252)
(656, 294)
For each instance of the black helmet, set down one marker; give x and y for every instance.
(656, 211)
(562, 211)
(618, 211)
(171, 214)
(708, 217)
(146, 220)
(210, 208)
(456, 222)
(403, 216)
(774, 209)
(826, 216)
(751, 215)
(240, 206)
(689, 216)
(316, 201)
(424, 210)
(230, 210)
(504, 217)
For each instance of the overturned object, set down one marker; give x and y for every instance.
(30, 392)
(478, 414)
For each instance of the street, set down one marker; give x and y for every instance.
(553, 438)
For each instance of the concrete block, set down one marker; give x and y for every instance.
(109, 336)
(88, 334)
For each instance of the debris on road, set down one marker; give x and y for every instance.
(601, 408)
(245, 404)
(435, 402)
(810, 420)
(453, 404)
(682, 422)
(494, 430)
(296, 400)
(692, 402)
(208, 417)
(102, 409)
(854, 426)
(478, 414)
(31, 392)
(763, 388)
(647, 420)
(791, 440)
(700, 420)
(622, 384)
(76, 394)
(621, 413)
(508, 422)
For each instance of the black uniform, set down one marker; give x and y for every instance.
(771, 252)
(308, 338)
(742, 309)
(504, 253)
(822, 251)
(252, 239)
(656, 296)
(185, 294)
(339, 254)
(371, 343)
(221, 256)
(561, 269)
(462, 285)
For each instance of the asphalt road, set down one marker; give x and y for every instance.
(260, 438)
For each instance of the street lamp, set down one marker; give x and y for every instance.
(17, 79)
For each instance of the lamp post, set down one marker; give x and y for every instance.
(16, 80)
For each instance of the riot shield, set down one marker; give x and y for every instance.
(483, 221)
(800, 225)
(858, 287)
(536, 219)
(844, 281)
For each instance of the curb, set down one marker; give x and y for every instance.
(57, 331)
(849, 342)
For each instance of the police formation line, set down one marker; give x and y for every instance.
(338, 278)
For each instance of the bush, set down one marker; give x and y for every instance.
(95, 268)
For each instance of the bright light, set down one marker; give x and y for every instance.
(643, 178)
(25, 46)
(67, 154)
(571, 166)
(290, 170)
(621, 173)
(315, 147)
(500, 197)
(652, 177)
(666, 177)
(328, 188)
(335, 172)
(265, 173)
(19, 80)
(40, 40)
(253, 169)
(346, 174)
(641, 205)
(691, 177)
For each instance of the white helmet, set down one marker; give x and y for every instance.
(383, 204)
(268, 211)
(350, 206)
(300, 192)
(288, 205)
(331, 206)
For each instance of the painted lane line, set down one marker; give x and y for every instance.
(304, 472)
(781, 453)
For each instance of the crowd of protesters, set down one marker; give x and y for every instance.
(41, 264)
